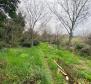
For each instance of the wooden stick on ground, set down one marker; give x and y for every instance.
(62, 71)
(67, 77)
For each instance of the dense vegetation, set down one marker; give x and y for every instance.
(28, 56)
(36, 66)
(9, 6)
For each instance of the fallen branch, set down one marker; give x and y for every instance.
(67, 77)
(62, 71)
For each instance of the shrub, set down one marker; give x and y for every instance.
(83, 49)
(1, 45)
(86, 51)
(26, 44)
(79, 46)
(35, 42)
(4, 45)
(88, 40)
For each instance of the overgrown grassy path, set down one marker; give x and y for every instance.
(78, 67)
(35, 65)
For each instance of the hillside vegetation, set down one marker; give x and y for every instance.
(36, 66)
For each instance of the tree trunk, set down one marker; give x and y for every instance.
(32, 43)
(70, 39)
(31, 33)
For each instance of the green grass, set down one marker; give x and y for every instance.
(19, 65)
(25, 64)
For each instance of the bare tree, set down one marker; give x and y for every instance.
(44, 23)
(70, 13)
(45, 29)
(35, 12)
(57, 35)
(46, 33)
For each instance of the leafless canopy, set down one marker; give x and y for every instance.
(71, 12)
(35, 12)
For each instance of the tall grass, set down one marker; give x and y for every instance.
(35, 65)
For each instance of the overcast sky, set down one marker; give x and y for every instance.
(83, 27)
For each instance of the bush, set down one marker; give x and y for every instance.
(26, 44)
(4, 45)
(88, 40)
(79, 46)
(86, 51)
(35, 42)
(83, 49)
